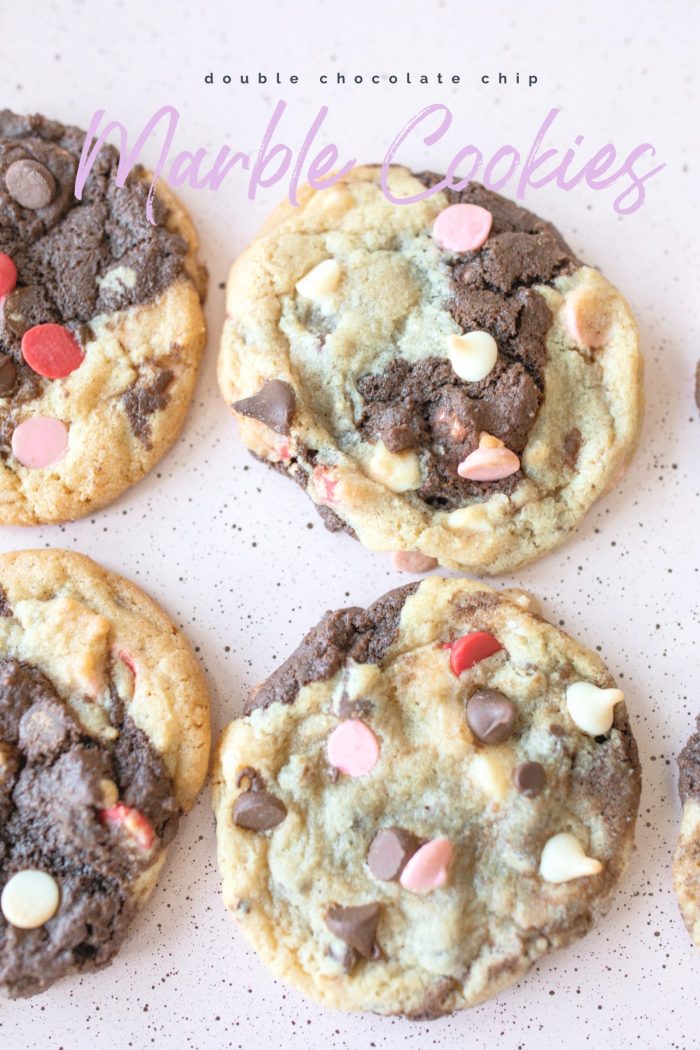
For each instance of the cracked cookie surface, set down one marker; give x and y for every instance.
(115, 300)
(358, 311)
(410, 814)
(104, 742)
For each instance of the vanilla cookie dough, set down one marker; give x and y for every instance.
(442, 377)
(104, 744)
(101, 324)
(686, 860)
(427, 797)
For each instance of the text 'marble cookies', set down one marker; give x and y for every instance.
(104, 742)
(101, 324)
(444, 378)
(424, 799)
(686, 860)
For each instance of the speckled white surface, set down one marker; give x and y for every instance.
(238, 555)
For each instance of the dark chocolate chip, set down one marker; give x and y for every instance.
(355, 926)
(273, 405)
(258, 811)
(390, 851)
(490, 716)
(529, 778)
(30, 183)
(399, 437)
(8, 375)
(25, 307)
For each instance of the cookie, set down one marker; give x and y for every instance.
(686, 860)
(104, 742)
(442, 378)
(101, 324)
(427, 797)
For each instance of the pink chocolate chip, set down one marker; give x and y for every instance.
(326, 484)
(353, 748)
(427, 868)
(489, 464)
(587, 317)
(413, 561)
(39, 441)
(462, 227)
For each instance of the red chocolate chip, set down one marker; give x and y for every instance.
(471, 649)
(8, 275)
(51, 350)
(132, 821)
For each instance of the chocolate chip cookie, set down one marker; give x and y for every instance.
(104, 742)
(428, 796)
(101, 324)
(686, 860)
(443, 377)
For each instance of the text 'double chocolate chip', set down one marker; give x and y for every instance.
(355, 926)
(30, 184)
(8, 375)
(529, 778)
(390, 851)
(490, 716)
(273, 405)
(258, 811)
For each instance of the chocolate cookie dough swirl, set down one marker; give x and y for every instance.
(444, 378)
(101, 326)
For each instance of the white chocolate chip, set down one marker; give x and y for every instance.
(472, 355)
(591, 708)
(473, 519)
(321, 281)
(524, 599)
(110, 793)
(29, 899)
(399, 471)
(563, 859)
(489, 441)
(488, 775)
(117, 279)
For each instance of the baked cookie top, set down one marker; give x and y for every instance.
(101, 326)
(429, 795)
(104, 742)
(442, 377)
(686, 861)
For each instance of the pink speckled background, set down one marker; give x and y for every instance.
(239, 557)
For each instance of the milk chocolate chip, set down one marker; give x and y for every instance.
(8, 375)
(258, 811)
(529, 778)
(30, 183)
(273, 405)
(390, 851)
(490, 716)
(26, 307)
(356, 927)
